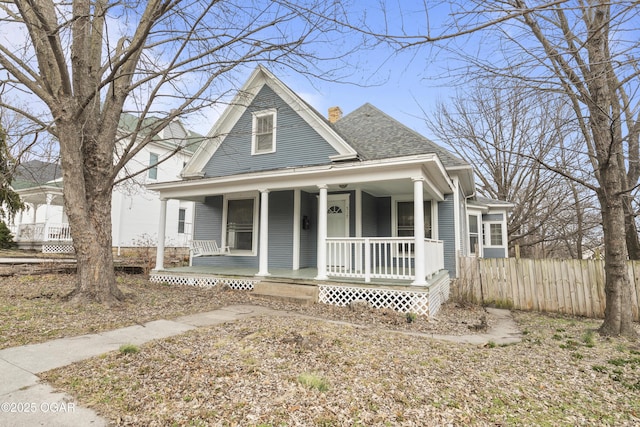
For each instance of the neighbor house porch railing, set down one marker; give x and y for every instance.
(41, 232)
(380, 257)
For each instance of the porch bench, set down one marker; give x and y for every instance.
(207, 248)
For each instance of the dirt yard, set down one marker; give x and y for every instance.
(371, 368)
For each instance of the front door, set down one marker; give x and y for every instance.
(338, 226)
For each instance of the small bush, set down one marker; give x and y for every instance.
(411, 317)
(6, 238)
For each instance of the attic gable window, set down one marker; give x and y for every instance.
(264, 132)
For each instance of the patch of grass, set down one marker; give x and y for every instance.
(589, 338)
(411, 317)
(492, 344)
(129, 349)
(623, 362)
(314, 380)
(506, 304)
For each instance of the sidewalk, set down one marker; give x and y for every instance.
(26, 402)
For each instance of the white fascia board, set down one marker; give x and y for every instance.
(479, 209)
(311, 176)
(41, 189)
(466, 176)
(340, 157)
(503, 206)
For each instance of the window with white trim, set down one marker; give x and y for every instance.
(153, 163)
(493, 234)
(474, 240)
(263, 139)
(241, 224)
(404, 225)
(182, 216)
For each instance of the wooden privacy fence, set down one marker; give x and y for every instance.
(564, 286)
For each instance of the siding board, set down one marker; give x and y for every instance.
(297, 143)
(446, 232)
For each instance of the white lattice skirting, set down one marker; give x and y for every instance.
(240, 284)
(423, 301)
(59, 248)
(426, 301)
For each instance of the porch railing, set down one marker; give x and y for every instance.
(380, 257)
(41, 232)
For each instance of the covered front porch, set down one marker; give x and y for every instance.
(43, 225)
(362, 225)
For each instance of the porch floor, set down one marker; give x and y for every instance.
(303, 275)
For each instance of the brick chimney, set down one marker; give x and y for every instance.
(335, 114)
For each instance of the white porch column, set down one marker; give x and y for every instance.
(322, 234)
(35, 207)
(295, 262)
(18, 225)
(358, 212)
(47, 211)
(161, 232)
(418, 231)
(263, 269)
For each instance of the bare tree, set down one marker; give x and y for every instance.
(587, 51)
(87, 61)
(506, 131)
(10, 202)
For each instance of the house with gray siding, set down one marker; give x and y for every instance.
(361, 206)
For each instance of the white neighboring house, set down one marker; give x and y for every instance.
(135, 210)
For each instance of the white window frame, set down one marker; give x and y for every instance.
(477, 234)
(486, 229)
(394, 220)
(394, 214)
(183, 220)
(153, 166)
(254, 135)
(481, 238)
(254, 240)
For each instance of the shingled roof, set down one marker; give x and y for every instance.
(35, 173)
(375, 135)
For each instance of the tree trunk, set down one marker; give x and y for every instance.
(631, 233)
(618, 317)
(87, 200)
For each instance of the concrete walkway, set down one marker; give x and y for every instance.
(25, 401)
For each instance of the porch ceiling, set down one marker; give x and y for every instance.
(38, 195)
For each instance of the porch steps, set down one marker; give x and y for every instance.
(303, 294)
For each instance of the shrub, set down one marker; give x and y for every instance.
(6, 238)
